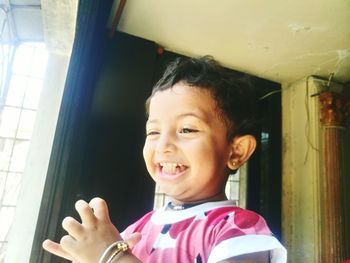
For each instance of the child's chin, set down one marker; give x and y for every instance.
(169, 190)
(163, 176)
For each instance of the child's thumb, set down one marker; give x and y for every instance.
(133, 239)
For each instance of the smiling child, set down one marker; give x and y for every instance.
(200, 129)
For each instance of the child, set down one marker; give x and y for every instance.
(199, 128)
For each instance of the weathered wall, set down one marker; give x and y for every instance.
(300, 193)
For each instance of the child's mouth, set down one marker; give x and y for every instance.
(172, 168)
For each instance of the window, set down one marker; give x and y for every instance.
(22, 72)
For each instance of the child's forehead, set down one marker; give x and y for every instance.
(182, 99)
(185, 92)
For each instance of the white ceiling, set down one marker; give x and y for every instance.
(282, 41)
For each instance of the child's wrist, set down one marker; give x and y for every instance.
(114, 251)
(123, 256)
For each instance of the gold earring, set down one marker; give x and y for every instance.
(234, 163)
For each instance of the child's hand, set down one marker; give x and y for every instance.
(87, 241)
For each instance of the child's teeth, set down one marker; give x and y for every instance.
(170, 167)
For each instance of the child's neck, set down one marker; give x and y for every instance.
(189, 203)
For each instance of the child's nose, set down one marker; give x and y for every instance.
(165, 143)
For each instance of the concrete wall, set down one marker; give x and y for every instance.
(300, 193)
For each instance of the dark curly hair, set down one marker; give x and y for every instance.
(233, 93)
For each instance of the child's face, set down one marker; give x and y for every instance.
(186, 149)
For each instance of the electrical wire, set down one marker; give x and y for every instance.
(269, 94)
(307, 124)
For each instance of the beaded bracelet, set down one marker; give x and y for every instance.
(120, 246)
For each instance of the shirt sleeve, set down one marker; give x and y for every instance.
(242, 232)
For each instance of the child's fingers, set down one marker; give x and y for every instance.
(56, 249)
(133, 239)
(86, 213)
(100, 209)
(73, 227)
(68, 243)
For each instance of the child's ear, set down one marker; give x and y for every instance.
(242, 147)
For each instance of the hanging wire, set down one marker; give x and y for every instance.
(269, 94)
(329, 81)
(307, 124)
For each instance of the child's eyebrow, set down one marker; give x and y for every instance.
(192, 114)
(197, 115)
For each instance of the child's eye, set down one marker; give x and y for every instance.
(188, 130)
(149, 133)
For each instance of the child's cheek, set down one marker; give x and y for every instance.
(147, 156)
